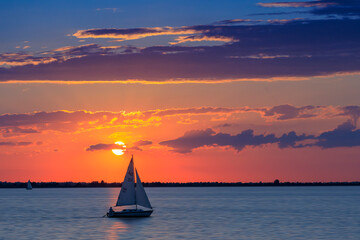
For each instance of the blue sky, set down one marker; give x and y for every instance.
(47, 23)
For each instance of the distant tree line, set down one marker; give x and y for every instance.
(172, 184)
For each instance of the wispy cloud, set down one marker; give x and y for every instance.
(78, 121)
(284, 112)
(102, 146)
(14, 144)
(318, 3)
(322, 7)
(136, 146)
(183, 39)
(22, 59)
(133, 33)
(114, 10)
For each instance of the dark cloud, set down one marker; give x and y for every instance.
(286, 111)
(235, 21)
(42, 118)
(199, 138)
(7, 144)
(60, 55)
(323, 7)
(353, 112)
(12, 144)
(21, 59)
(201, 110)
(291, 139)
(296, 48)
(142, 143)
(133, 33)
(103, 146)
(345, 135)
(137, 145)
(15, 131)
(316, 3)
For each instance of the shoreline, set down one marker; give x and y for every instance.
(102, 184)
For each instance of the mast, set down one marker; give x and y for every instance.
(132, 157)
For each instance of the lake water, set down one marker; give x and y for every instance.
(184, 213)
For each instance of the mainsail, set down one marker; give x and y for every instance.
(127, 194)
(141, 197)
(28, 186)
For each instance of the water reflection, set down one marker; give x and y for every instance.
(117, 226)
(121, 226)
(113, 192)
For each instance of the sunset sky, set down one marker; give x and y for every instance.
(206, 90)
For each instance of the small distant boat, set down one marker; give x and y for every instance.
(132, 200)
(28, 185)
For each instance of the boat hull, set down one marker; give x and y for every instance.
(129, 214)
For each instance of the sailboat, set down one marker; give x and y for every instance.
(28, 185)
(132, 200)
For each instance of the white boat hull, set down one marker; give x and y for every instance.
(130, 213)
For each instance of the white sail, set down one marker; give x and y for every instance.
(141, 197)
(127, 193)
(28, 186)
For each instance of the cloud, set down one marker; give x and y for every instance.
(199, 110)
(136, 146)
(105, 146)
(108, 9)
(85, 50)
(318, 3)
(16, 131)
(72, 121)
(22, 59)
(183, 39)
(20, 123)
(322, 7)
(142, 143)
(353, 112)
(235, 21)
(284, 112)
(344, 135)
(60, 54)
(13, 144)
(133, 33)
(78, 121)
(291, 139)
(102, 146)
(277, 49)
(46, 118)
(14, 125)
(199, 138)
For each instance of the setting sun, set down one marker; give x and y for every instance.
(121, 150)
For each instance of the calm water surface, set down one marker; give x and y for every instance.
(184, 213)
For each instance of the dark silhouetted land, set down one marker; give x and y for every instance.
(276, 183)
